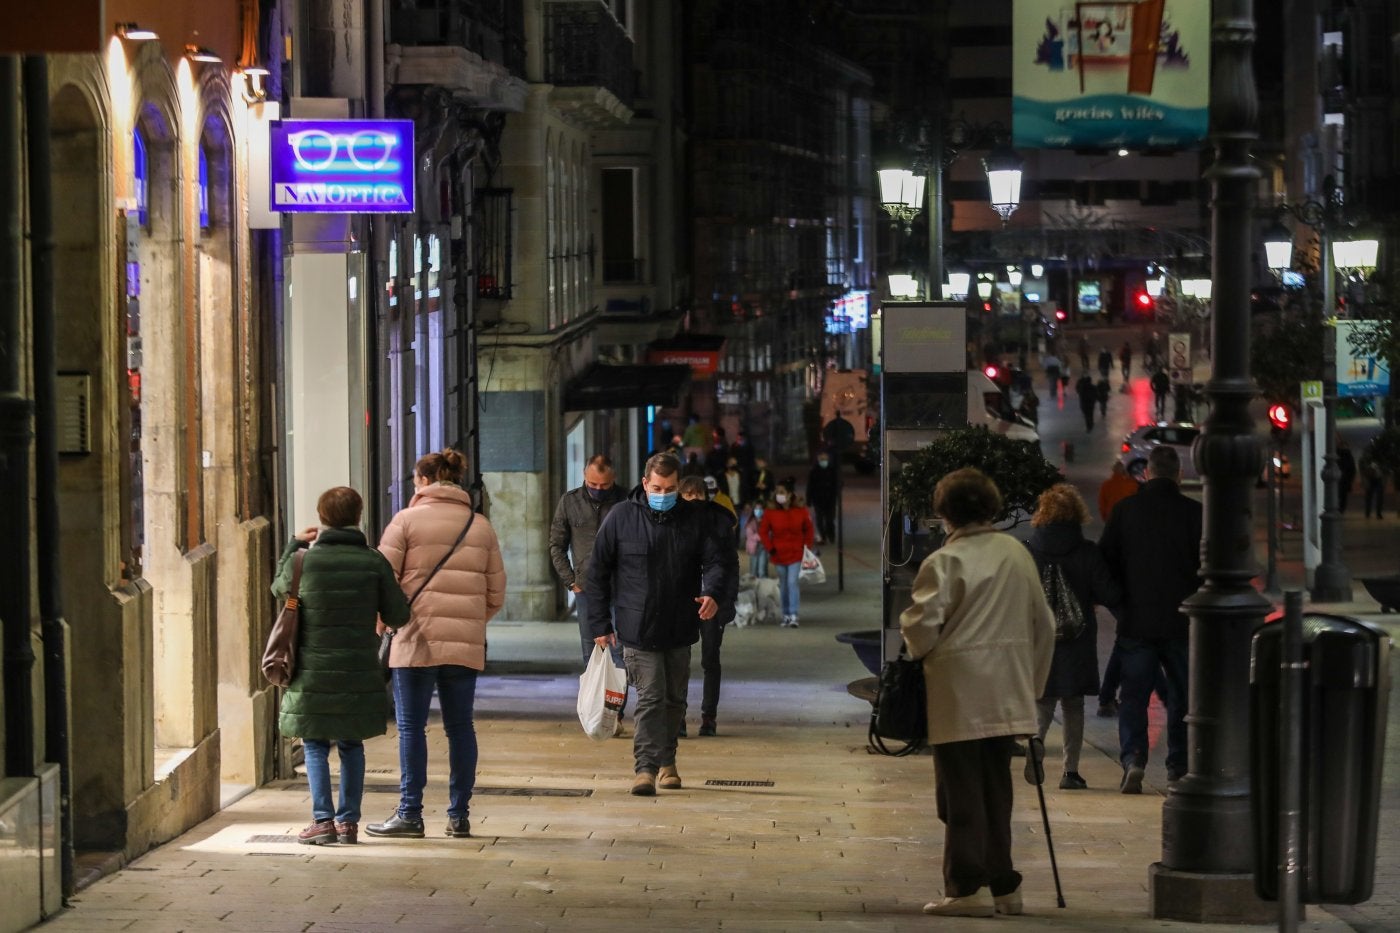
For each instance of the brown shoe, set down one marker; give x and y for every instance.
(347, 833)
(644, 785)
(318, 833)
(669, 778)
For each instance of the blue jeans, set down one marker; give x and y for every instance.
(352, 779)
(758, 562)
(787, 586)
(1141, 658)
(413, 694)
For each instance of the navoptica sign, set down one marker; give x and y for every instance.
(342, 166)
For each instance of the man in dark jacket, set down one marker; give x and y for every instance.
(1152, 543)
(823, 489)
(657, 570)
(577, 518)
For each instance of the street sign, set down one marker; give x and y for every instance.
(1310, 390)
(1179, 358)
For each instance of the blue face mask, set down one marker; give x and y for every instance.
(757, 513)
(662, 501)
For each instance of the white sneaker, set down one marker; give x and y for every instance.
(793, 622)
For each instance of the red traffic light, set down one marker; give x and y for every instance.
(1059, 314)
(1144, 301)
(1280, 417)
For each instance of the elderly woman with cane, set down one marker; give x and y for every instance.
(981, 625)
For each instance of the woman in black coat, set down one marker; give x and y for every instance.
(1058, 542)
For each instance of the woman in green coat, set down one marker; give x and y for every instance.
(337, 692)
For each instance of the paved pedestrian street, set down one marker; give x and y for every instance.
(786, 822)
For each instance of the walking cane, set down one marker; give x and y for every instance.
(1035, 774)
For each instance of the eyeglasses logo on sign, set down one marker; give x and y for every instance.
(342, 166)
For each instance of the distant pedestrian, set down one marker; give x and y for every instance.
(823, 490)
(981, 626)
(1059, 546)
(1346, 469)
(577, 517)
(1152, 543)
(1373, 482)
(1051, 364)
(712, 629)
(1088, 397)
(658, 570)
(336, 696)
(1103, 389)
(1084, 354)
(1115, 489)
(753, 543)
(785, 530)
(1105, 362)
(1161, 388)
(448, 559)
(1125, 357)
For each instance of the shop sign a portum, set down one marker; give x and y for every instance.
(342, 166)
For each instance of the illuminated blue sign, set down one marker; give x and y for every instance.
(342, 166)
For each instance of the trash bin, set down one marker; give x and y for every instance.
(1346, 685)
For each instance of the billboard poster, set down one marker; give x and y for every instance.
(1129, 74)
(1359, 373)
(1089, 301)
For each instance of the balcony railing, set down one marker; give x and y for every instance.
(493, 29)
(585, 46)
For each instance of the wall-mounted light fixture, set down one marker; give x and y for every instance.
(135, 33)
(199, 53)
(253, 89)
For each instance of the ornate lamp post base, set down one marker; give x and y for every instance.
(1196, 897)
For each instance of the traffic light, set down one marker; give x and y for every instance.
(1143, 302)
(1280, 422)
(1060, 314)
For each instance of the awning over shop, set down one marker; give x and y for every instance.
(602, 386)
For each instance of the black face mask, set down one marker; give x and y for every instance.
(594, 493)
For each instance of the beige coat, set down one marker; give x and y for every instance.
(985, 633)
(449, 619)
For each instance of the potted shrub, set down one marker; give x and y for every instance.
(1018, 468)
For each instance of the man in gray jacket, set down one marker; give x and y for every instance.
(576, 520)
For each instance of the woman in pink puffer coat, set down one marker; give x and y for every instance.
(455, 582)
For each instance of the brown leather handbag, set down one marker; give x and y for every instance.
(279, 660)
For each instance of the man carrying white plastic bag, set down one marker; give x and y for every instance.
(602, 687)
(659, 566)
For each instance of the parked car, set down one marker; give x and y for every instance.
(1181, 435)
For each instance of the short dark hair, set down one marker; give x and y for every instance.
(339, 507)
(966, 497)
(1163, 462)
(600, 461)
(662, 464)
(692, 485)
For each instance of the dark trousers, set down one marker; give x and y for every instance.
(1088, 411)
(826, 520)
(1375, 496)
(974, 804)
(1142, 658)
(711, 636)
(1113, 676)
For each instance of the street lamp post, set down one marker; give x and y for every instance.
(1331, 580)
(1207, 868)
(903, 190)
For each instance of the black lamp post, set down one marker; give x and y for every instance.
(1207, 866)
(904, 190)
(1331, 580)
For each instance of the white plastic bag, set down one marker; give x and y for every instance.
(812, 570)
(601, 689)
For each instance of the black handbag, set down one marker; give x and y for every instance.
(386, 641)
(901, 710)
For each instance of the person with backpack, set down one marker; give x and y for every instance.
(1075, 577)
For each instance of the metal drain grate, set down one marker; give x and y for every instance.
(384, 788)
(271, 839)
(723, 783)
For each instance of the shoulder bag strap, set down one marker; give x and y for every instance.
(294, 594)
(428, 579)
